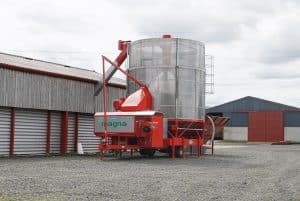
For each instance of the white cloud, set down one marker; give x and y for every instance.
(255, 43)
(70, 32)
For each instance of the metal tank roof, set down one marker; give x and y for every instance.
(53, 69)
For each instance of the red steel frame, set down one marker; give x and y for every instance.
(104, 107)
(105, 140)
(185, 133)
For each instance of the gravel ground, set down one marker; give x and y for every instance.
(236, 172)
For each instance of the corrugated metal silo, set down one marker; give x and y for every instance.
(174, 71)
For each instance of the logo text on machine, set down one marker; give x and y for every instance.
(115, 124)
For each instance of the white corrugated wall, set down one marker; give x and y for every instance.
(5, 115)
(71, 132)
(235, 133)
(30, 131)
(55, 132)
(86, 134)
(292, 134)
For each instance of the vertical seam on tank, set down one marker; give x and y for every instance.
(204, 91)
(176, 79)
(195, 92)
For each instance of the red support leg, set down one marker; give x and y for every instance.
(173, 149)
(200, 153)
(182, 149)
(198, 147)
(12, 131)
(48, 144)
(121, 153)
(101, 155)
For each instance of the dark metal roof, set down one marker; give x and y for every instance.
(292, 119)
(250, 103)
(239, 119)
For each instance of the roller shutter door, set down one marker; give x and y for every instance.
(71, 132)
(5, 114)
(55, 132)
(30, 131)
(86, 133)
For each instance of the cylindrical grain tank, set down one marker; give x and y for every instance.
(174, 71)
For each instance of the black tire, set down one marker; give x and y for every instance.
(147, 152)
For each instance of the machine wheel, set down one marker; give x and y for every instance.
(147, 152)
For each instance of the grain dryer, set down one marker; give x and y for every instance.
(165, 105)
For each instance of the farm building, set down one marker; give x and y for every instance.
(47, 108)
(258, 120)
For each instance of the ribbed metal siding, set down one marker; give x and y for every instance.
(86, 134)
(174, 70)
(26, 90)
(113, 93)
(71, 132)
(257, 127)
(30, 131)
(5, 114)
(292, 119)
(265, 126)
(274, 126)
(239, 119)
(55, 132)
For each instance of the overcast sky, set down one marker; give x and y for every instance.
(256, 44)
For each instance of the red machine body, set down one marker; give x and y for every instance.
(131, 130)
(141, 100)
(135, 126)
